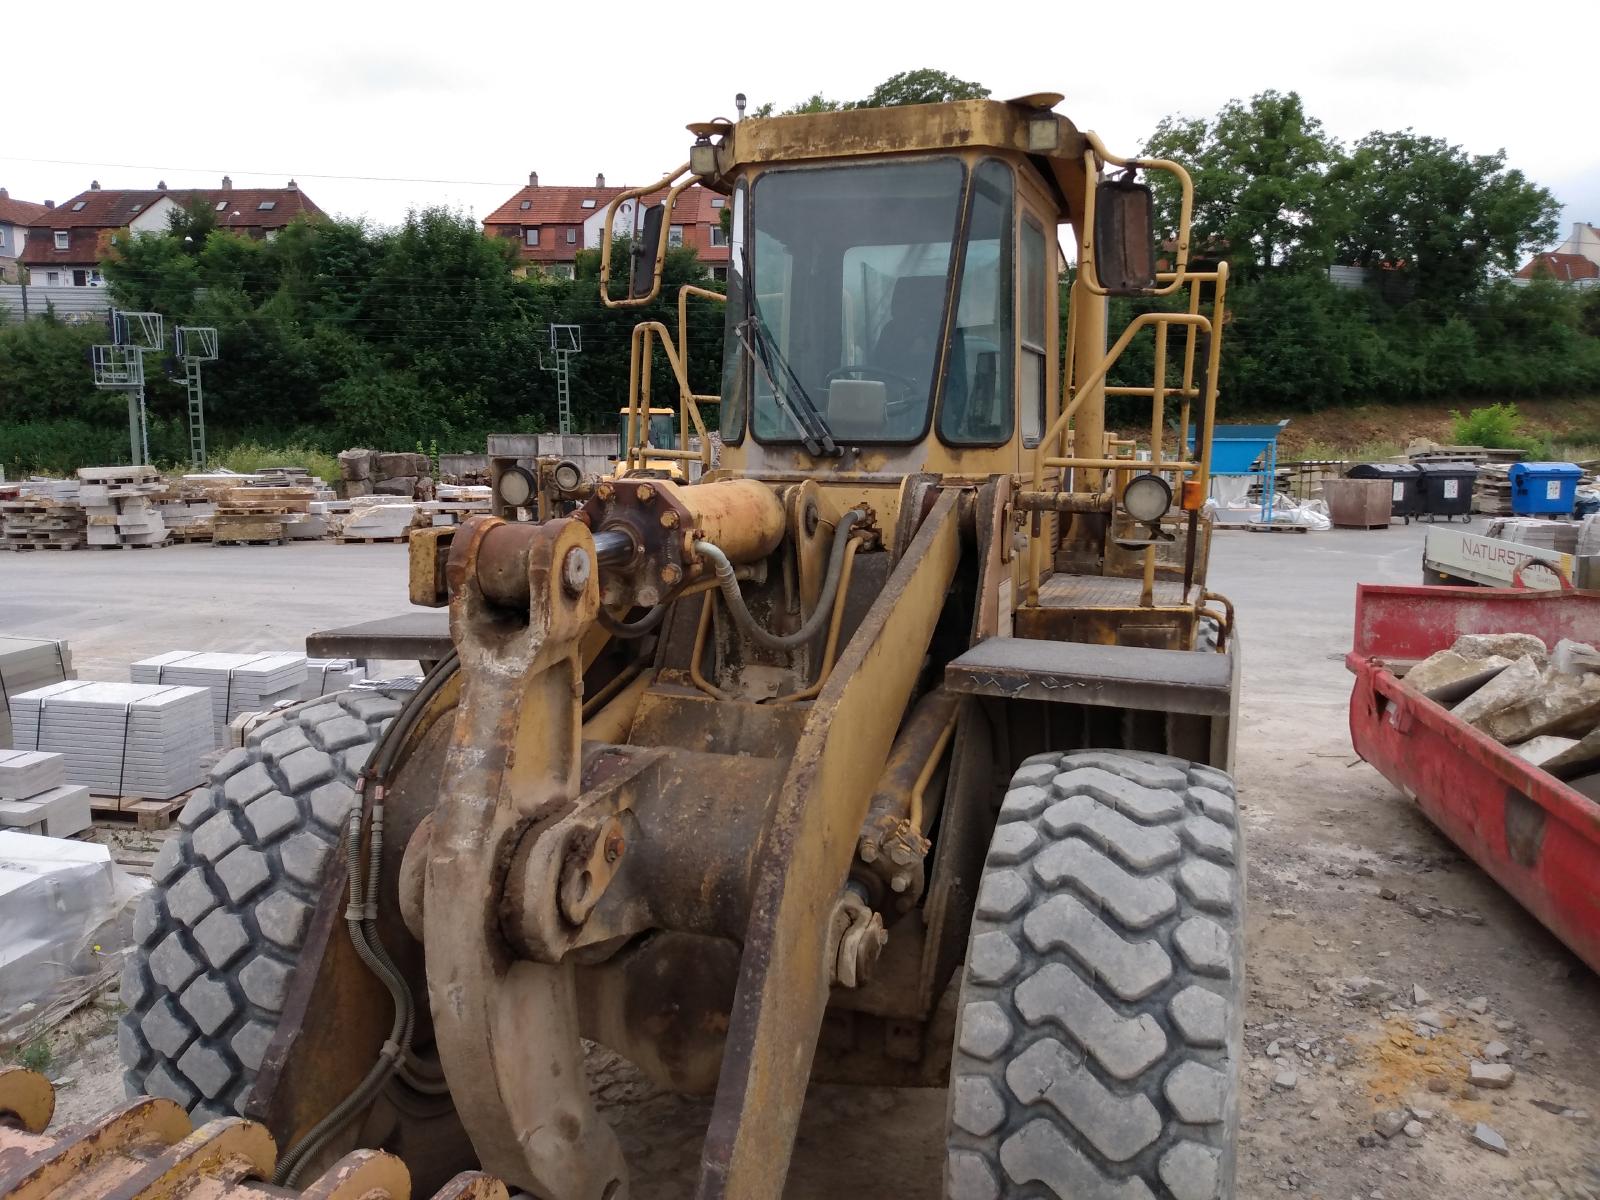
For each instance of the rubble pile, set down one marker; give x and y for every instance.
(1541, 702)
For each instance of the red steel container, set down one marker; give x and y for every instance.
(1537, 837)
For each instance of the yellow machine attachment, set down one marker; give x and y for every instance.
(879, 752)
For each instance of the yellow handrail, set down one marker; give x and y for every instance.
(645, 334)
(681, 174)
(1091, 168)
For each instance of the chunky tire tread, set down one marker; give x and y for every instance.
(236, 884)
(1099, 1031)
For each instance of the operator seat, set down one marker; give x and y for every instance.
(907, 345)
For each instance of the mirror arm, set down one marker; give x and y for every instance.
(661, 249)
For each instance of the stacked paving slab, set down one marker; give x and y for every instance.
(41, 514)
(259, 514)
(238, 683)
(325, 676)
(25, 664)
(35, 796)
(120, 739)
(121, 505)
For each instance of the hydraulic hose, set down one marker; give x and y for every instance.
(819, 615)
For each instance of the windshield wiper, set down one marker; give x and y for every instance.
(791, 394)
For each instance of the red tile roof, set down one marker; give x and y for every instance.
(1564, 267)
(106, 210)
(552, 205)
(19, 212)
(552, 210)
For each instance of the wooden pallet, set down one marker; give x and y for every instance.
(137, 810)
(341, 540)
(1259, 527)
(233, 541)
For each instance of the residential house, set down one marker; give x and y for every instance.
(1576, 261)
(67, 244)
(550, 224)
(15, 217)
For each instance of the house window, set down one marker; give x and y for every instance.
(2, 237)
(530, 236)
(80, 279)
(560, 270)
(718, 201)
(572, 236)
(61, 239)
(80, 206)
(266, 206)
(720, 273)
(588, 204)
(526, 205)
(53, 278)
(674, 235)
(718, 236)
(221, 204)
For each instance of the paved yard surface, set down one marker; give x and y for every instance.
(1332, 961)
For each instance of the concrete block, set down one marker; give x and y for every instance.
(1506, 645)
(1575, 658)
(1541, 749)
(1451, 673)
(355, 464)
(1579, 759)
(1515, 683)
(1559, 704)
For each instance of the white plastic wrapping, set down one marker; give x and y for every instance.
(65, 909)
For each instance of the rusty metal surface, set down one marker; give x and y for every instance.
(1107, 676)
(804, 858)
(423, 636)
(507, 1029)
(426, 550)
(27, 1100)
(146, 1150)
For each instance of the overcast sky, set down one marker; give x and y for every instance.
(461, 102)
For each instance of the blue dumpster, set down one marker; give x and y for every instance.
(1544, 488)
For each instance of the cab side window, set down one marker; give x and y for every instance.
(977, 407)
(1034, 274)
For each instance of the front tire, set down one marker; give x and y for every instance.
(236, 884)
(1100, 1023)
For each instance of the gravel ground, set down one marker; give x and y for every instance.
(1381, 962)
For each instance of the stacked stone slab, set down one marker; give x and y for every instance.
(375, 473)
(122, 505)
(376, 518)
(238, 683)
(35, 796)
(120, 739)
(259, 514)
(327, 675)
(41, 514)
(25, 664)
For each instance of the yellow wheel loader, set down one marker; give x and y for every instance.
(891, 750)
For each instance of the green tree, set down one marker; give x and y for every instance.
(1260, 172)
(1448, 219)
(924, 86)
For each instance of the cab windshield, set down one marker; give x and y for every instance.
(837, 302)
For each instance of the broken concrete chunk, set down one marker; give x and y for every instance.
(1575, 658)
(1558, 704)
(1506, 645)
(1491, 1075)
(1543, 748)
(1579, 759)
(1420, 994)
(1495, 1051)
(1517, 682)
(1449, 673)
(1390, 1123)
(1489, 1139)
(1478, 1004)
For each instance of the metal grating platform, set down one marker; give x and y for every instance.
(1101, 591)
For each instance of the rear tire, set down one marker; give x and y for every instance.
(236, 884)
(1101, 1013)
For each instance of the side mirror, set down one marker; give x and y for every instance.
(1124, 236)
(645, 248)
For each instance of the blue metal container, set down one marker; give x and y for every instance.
(1544, 488)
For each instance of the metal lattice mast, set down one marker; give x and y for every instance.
(565, 341)
(120, 366)
(195, 344)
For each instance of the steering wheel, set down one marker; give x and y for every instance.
(908, 387)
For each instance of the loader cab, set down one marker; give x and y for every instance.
(890, 309)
